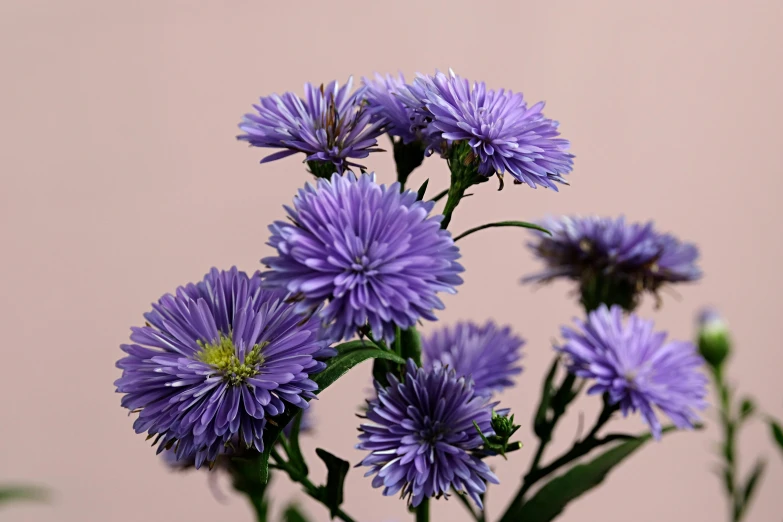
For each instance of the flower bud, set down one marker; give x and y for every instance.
(713, 338)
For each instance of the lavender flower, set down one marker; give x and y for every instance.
(637, 367)
(214, 361)
(383, 95)
(487, 354)
(632, 255)
(330, 125)
(422, 435)
(369, 250)
(503, 132)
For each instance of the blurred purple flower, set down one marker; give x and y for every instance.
(637, 367)
(382, 94)
(487, 354)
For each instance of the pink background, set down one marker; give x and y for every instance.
(121, 179)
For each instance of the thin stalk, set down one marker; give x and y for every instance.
(465, 502)
(423, 511)
(311, 489)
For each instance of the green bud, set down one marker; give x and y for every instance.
(503, 427)
(713, 339)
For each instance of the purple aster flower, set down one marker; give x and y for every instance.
(503, 132)
(422, 436)
(214, 361)
(383, 95)
(488, 354)
(632, 254)
(637, 367)
(330, 125)
(374, 253)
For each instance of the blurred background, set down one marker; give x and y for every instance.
(122, 179)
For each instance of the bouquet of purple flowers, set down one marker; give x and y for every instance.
(223, 371)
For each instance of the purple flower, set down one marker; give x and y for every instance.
(503, 132)
(487, 354)
(330, 125)
(383, 95)
(637, 367)
(214, 361)
(374, 253)
(422, 435)
(633, 254)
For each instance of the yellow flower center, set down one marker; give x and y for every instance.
(222, 356)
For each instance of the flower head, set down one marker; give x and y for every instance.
(383, 95)
(330, 125)
(214, 361)
(487, 354)
(505, 135)
(421, 436)
(637, 367)
(714, 338)
(632, 255)
(374, 253)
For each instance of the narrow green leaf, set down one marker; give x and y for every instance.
(553, 497)
(752, 482)
(541, 420)
(295, 451)
(442, 194)
(746, 409)
(411, 345)
(292, 514)
(522, 224)
(339, 365)
(422, 190)
(351, 346)
(337, 469)
(336, 368)
(22, 493)
(777, 432)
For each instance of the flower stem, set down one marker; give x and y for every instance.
(729, 426)
(311, 489)
(579, 449)
(423, 511)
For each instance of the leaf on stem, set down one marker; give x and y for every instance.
(752, 482)
(295, 451)
(22, 493)
(337, 469)
(422, 190)
(777, 432)
(553, 497)
(541, 420)
(411, 345)
(292, 514)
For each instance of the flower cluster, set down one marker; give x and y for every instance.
(374, 253)
(637, 367)
(214, 361)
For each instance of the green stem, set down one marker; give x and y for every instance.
(456, 191)
(247, 480)
(579, 449)
(729, 427)
(423, 511)
(311, 489)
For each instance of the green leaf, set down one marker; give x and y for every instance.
(553, 497)
(746, 409)
(22, 493)
(411, 345)
(295, 451)
(777, 432)
(442, 194)
(335, 479)
(346, 358)
(752, 482)
(522, 224)
(340, 364)
(292, 514)
(541, 420)
(422, 190)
